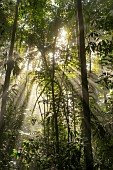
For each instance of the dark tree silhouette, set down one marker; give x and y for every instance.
(85, 93)
(9, 68)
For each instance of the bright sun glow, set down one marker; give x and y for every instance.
(53, 3)
(63, 34)
(61, 44)
(62, 38)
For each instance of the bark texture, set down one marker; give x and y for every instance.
(85, 93)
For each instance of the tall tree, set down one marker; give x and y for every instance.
(9, 68)
(85, 93)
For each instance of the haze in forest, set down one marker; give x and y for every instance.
(56, 85)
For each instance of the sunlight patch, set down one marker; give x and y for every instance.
(62, 37)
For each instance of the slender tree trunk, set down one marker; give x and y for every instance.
(77, 35)
(90, 58)
(8, 69)
(85, 93)
(90, 62)
(54, 105)
(74, 113)
(44, 120)
(67, 115)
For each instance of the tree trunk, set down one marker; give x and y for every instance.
(54, 103)
(8, 69)
(85, 93)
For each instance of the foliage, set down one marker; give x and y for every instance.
(46, 55)
(34, 153)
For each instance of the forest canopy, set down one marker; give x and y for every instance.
(56, 85)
